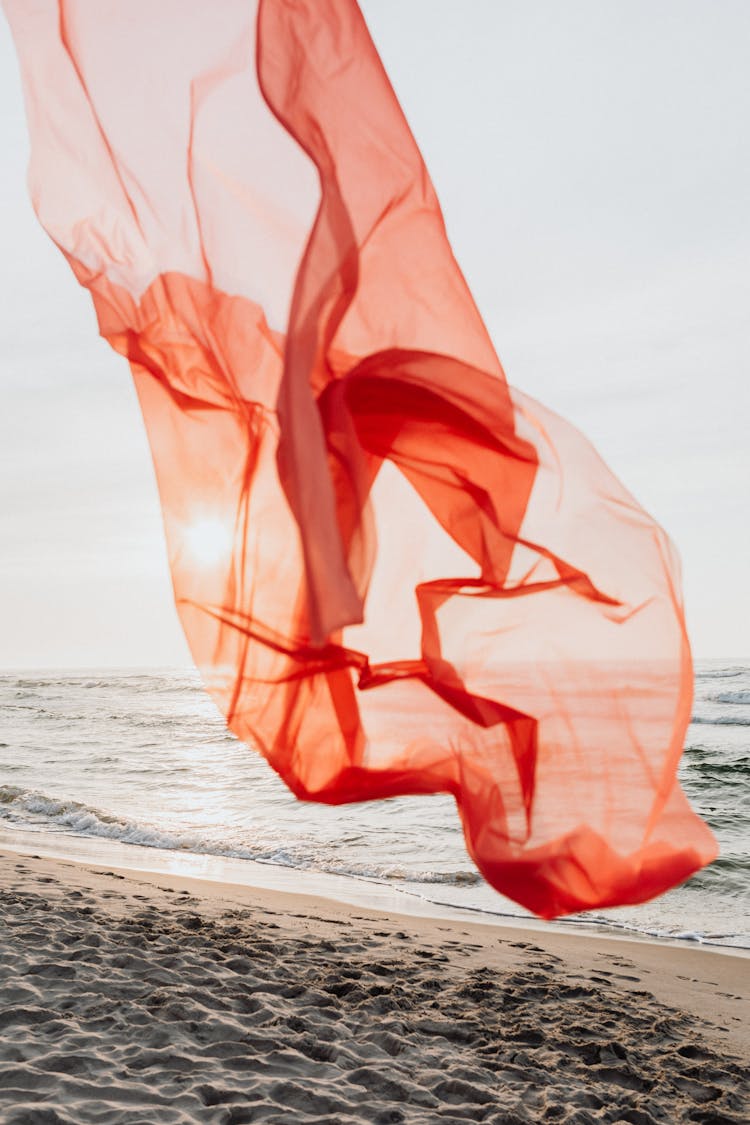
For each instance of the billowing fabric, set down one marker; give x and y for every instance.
(396, 573)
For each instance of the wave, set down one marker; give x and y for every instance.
(714, 780)
(732, 697)
(18, 804)
(729, 874)
(151, 684)
(720, 673)
(175, 683)
(202, 725)
(708, 767)
(720, 721)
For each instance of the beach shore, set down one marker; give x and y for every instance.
(137, 997)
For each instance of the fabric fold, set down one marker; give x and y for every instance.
(396, 573)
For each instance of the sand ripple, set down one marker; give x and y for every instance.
(124, 1010)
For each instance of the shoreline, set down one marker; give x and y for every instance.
(348, 889)
(144, 997)
(662, 957)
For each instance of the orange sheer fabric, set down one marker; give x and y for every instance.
(396, 574)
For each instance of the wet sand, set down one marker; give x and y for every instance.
(150, 999)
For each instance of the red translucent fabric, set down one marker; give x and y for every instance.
(396, 573)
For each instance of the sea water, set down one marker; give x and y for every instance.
(144, 760)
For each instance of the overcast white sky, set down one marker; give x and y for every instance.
(593, 163)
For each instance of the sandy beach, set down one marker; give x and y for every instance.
(146, 998)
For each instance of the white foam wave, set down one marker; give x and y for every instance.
(23, 805)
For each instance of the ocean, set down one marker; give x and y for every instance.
(136, 768)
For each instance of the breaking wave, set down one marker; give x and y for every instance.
(30, 809)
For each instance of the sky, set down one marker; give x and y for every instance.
(592, 160)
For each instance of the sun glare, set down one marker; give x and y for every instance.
(208, 541)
